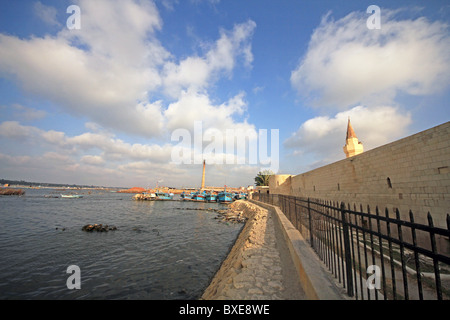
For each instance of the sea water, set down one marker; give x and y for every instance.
(160, 250)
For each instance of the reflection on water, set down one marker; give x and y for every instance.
(159, 250)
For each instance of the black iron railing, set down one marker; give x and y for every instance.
(373, 255)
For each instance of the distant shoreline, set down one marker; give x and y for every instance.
(119, 190)
(17, 186)
(5, 183)
(28, 184)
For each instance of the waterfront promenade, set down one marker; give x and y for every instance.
(259, 266)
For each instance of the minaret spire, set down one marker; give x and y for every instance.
(352, 145)
(350, 132)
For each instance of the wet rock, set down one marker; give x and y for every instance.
(98, 228)
(231, 215)
(11, 192)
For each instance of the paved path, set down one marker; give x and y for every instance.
(258, 267)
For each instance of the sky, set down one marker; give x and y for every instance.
(139, 92)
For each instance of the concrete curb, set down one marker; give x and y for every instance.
(318, 283)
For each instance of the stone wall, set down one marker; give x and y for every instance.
(280, 184)
(409, 174)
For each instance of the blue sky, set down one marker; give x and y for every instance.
(101, 105)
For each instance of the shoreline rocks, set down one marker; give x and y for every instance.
(224, 215)
(232, 215)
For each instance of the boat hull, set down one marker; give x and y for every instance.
(185, 196)
(164, 196)
(225, 197)
(199, 196)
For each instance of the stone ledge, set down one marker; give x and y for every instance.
(318, 283)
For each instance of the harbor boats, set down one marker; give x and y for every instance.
(163, 196)
(71, 196)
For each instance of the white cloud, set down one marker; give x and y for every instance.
(103, 71)
(47, 14)
(44, 167)
(348, 64)
(169, 4)
(112, 148)
(197, 73)
(91, 157)
(93, 160)
(13, 130)
(193, 106)
(109, 70)
(120, 29)
(26, 113)
(109, 73)
(324, 136)
(92, 154)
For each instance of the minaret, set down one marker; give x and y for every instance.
(352, 145)
(203, 176)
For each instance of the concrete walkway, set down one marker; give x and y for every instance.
(259, 266)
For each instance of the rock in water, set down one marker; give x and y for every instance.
(98, 228)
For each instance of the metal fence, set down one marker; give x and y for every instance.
(373, 255)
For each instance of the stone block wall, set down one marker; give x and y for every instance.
(409, 174)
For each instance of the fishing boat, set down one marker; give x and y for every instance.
(72, 196)
(163, 196)
(199, 196)
(184, 195)
(240, 195)
(211, 197)
(225, 196)
(149, 196)
(144, 196)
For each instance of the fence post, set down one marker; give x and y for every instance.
(435, 261)
(310, 224)
(347, 254)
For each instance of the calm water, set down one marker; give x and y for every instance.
(161, 250)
